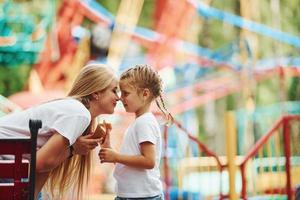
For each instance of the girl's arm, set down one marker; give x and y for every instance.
(145, 161)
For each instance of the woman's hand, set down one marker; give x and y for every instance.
(84, 144)
(105, 143)
(106, 139)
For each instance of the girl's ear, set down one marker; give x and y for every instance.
(146, 93)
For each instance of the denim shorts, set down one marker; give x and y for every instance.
(157, 197)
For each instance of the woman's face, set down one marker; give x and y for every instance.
(108, 99)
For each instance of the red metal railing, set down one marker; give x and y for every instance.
(202, 148)
(284, 121)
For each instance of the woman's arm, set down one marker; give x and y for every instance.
(84, 144)
(145, 161)
(56, 150)
(53, 152)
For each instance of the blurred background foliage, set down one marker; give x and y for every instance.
(213, 34)
(13, 79)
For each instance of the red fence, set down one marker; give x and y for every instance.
(287, 130)
(285, 123)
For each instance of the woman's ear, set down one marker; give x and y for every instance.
(96, 95)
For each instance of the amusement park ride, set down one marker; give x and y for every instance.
(56, 52)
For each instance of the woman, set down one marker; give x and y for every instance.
(61, 162)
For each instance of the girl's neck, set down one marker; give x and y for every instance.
(142, 110)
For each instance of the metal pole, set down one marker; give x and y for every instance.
(34, 126)
(287, 152)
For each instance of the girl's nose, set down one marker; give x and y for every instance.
(118, 97)
(118, 94)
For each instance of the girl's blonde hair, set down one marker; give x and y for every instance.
(143, 76)
(74, 173)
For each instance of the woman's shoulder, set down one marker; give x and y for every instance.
(68, 101)
(69, 106)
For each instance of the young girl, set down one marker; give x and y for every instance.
(137, 165)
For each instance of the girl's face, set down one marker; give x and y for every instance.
(109, 98)
(132, 101)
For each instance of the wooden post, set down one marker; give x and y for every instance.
(231, 152)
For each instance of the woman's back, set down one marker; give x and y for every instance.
(64, 116)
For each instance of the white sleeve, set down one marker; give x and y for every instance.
(146, 132)
(71, 127)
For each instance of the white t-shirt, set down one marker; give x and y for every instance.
(68, 117)
(134, 182)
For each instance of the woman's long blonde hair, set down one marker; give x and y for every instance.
(74, 172)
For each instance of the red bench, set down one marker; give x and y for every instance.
(17, 177)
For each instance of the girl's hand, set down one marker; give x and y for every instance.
(84, 144)
(107, 155)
